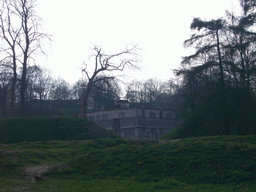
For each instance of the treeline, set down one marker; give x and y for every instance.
(40, 87)
(47, 96)
(219, 80)
(21, 37)
(214, 93)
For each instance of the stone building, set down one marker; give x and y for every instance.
(135, 122)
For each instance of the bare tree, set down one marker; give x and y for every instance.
(20, 28)
(9, 35)
(135, 92)
(77, 89)
(5, 82)
(152, 88)
(39, 83)
(104, 67)
(104, 94)
(60, 90)
(42, 83)
(151, 91)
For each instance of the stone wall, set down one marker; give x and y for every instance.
(143, 133)
(136, 123)
(114, 114)
(126, 113)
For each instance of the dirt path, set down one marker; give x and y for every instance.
(37, 171)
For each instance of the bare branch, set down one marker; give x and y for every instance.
(104, 66)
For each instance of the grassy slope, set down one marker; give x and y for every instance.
(196, 164)
(48, 129)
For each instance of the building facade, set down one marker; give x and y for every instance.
(135, 122)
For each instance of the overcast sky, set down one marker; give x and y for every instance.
(159, 27)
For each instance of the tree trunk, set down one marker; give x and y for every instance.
(25, 63)
(243, 72)
(14, 82)
(248, 76)
(23, 91)
(84, 100)
(223, 90)
(13, 90)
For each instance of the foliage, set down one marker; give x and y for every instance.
(218, 81)
(207, 119)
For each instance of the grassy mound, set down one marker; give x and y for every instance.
(212, 160)
(219, 163)
(14, 157)
(49, 128)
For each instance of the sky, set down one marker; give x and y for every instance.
(158, 27)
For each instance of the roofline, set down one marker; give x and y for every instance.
(130, 108)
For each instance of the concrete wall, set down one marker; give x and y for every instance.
(143, 133)
(169, 114)
(126, 113)
(114, 114)
(125, 122)
(152, 113)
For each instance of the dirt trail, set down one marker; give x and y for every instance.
(37, 171)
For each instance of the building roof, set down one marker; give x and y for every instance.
(139, 122)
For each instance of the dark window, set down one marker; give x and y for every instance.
(152, 115)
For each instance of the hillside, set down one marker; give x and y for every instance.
(219, 163)
(48, 129)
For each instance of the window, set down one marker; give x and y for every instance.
(152, 115)
(147, 135)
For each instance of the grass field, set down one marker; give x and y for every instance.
(219, 163)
